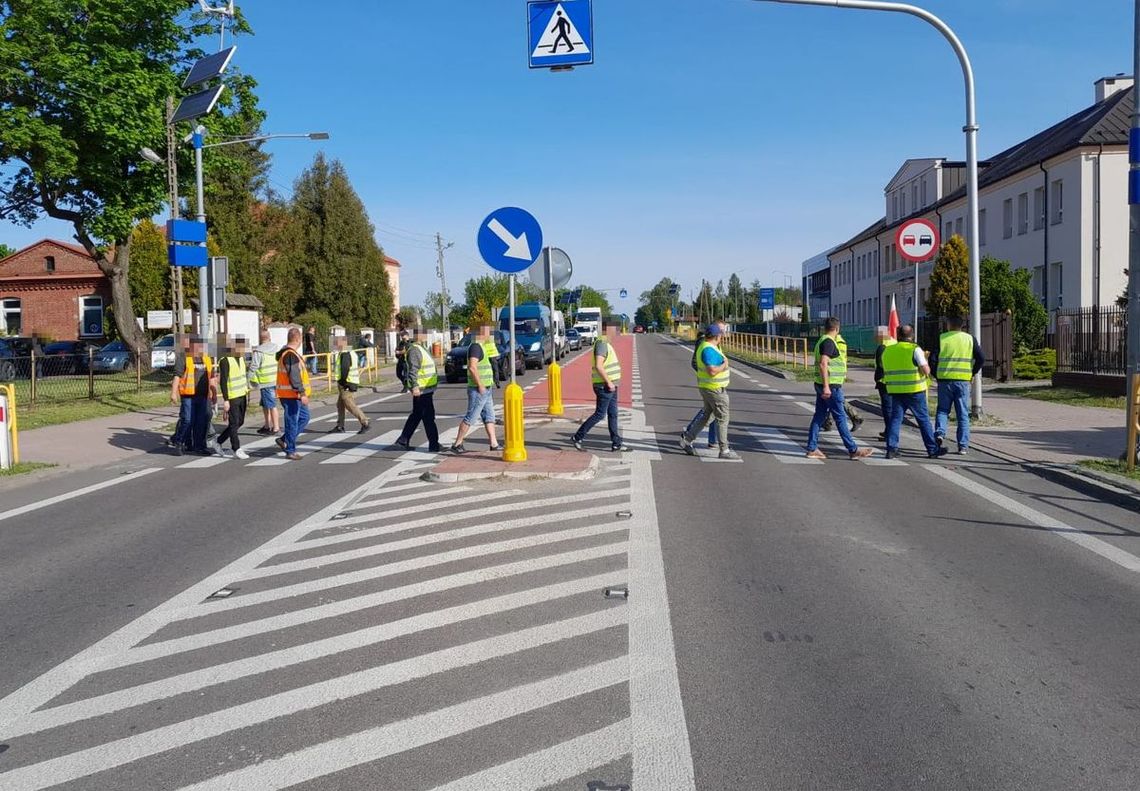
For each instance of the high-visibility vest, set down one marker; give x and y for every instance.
(353, 377)
(237, 385)
(955, 356)
(284, 385)
(189, 381)
(265, 374)
(484, 369)
(611, 364)
(900, 375)
(836, 366)
(427, 378)
(705, 380)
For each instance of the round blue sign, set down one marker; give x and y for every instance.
(510, 239)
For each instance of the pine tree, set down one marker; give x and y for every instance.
(950, 281)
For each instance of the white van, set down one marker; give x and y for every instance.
(561, 349)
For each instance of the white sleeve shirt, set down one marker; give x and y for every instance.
(919, 358)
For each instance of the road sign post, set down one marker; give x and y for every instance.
(560, 33)
(917, 241)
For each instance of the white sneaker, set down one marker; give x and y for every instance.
(241, 454)
(218, 449)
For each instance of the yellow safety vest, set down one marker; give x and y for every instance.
(705, 380)
(427, 378)
(237, 385)
(353, 377)
(486, 372)
(612, 364)
(266, 372)
(956, 356)
(189, 382)
(836, 366)
(900, 375)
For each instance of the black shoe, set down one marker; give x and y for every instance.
(458, 450)
(495, 448)
(937, 454)
(435, 449)
(336, 430)
(178, 450)
(577, 443)
(621, 449)
(858, 421)
(280, 443)
(882, 436)
(402, 443)
(364, 428)
(892, 454)
(265, 432)
(938, 441)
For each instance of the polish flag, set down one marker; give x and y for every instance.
(893, 322)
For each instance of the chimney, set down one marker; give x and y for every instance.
(1108, 86)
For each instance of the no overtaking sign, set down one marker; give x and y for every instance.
(917, 240)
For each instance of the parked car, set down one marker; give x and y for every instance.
(112, 358)
(62, 358)
(638, 329)
(18, 356)
(573, 340)
(455, 365)
(162, 352)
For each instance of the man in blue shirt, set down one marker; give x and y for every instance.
(712, 380)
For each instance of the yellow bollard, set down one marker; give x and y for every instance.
(554, 406)
(13, 423)
(513, 447)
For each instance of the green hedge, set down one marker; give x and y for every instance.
(1039, 364)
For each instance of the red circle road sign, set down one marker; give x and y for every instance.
(917, 240)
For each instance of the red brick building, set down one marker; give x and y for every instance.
(54, 289)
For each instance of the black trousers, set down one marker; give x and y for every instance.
(237, 420)
(423, 410)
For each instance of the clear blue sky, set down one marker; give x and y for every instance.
(709, 137)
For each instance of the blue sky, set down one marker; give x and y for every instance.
(709, 137)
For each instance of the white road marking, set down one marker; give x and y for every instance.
(806, 406)
(364, 450)
(788, 397)
(432, 494)
(1125, 560)
(25, 509)
(434, 505)
(782, 447)
(315, 444)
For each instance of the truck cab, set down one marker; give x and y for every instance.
(533, 332)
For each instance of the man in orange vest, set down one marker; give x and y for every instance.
(293, 392)
(195, 384)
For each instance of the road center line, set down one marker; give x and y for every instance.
(25, 509)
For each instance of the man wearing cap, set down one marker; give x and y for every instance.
(712, 382)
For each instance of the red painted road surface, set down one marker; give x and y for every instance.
(577, 387)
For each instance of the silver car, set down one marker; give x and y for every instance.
(112, 358)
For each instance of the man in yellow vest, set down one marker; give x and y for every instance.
(194, 382)
(883, 339)
(905, 374)
(830, 374)
(293, 390)
(421, 378)
(234, 386)
(712, 383)
(958, 360)
(263, 376)
(481, 356)
(346, 371)
(605, 376)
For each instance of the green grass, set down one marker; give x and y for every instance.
(1112, 466)
(52, 414)
(24, 467)
(800, 373)
(1067, 395)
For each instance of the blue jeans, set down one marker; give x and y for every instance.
(697, 418)
(916, 403)
(193, 423)
(607, 407)
(296, 419)
(313, 364)
(181, 434)
(886, 403)
(480, 405)
(956, 394)
(834, 405)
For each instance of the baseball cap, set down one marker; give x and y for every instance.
(714, 330)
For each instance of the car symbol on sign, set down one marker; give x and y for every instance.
(909, 240)
(924, 240)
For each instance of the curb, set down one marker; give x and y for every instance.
(587, 474)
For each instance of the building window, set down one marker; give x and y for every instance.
(9, 316)
(902, 202)
(1058, 199)
(924, 201)
(1038, 283)
(90, 317)
(1056, 286)
(949, 232)
(49, 263)
(958, 227)
(1038, 208)
(1007, 218)
(1023, 214)
(914, 196)
(894, 206)
(982, 227)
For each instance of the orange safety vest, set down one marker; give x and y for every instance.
(189, 382)
(284, 386)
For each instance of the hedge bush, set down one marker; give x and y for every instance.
(1037, 364)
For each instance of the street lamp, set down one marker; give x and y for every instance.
(260, 138)
(971, 131)
(150, 156)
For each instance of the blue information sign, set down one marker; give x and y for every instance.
(560, 33)
(767, 299)
(510, 239)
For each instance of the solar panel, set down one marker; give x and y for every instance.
(209, 67)
(197, 104)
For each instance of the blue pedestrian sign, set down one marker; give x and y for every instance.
(510, 239)
(623, 293)
(767, 299)
(560, 33)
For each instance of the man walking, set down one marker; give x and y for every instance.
(176, 440)
(234, 384)
(605, 375)
(293, 389)
(712, 381)
(310, 349)
(695, 363)
(346, 370)
(402, 359)
(480, 393)
(263, 375)
(830, 374)
(905, 373)
(883, 339)
(958, 360)
(194, 383)
(421, 378)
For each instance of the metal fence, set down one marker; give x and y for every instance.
(1091, 340)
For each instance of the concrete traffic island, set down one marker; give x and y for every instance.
(541, 463)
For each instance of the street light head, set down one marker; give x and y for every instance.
(318, 135)
(150, 156)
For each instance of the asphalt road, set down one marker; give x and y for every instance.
(840, 625)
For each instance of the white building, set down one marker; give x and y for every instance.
(1055, 204)
(816, 273)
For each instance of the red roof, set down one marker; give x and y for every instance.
(390, 261)
(65, 245)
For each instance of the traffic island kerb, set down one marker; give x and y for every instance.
(541, 463)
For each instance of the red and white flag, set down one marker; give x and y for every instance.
(893, 322)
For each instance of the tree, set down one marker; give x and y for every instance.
(1004, 288)
(407, 317)
(592, 298)
(492, 290)
(480, 314)
(433, 310)
(150, 269)
(656, 305)
(83, 88)
(950, 281)
(6, 251)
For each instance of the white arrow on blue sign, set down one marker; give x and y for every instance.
(510, 239)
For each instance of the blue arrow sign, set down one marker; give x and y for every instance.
(510, 239)
(560, 32)
(767, 299)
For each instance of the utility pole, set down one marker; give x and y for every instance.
(172, 186)
(444, 312)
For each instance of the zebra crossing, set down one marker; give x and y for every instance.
(409, 634)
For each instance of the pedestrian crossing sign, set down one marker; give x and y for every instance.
(560, 33)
